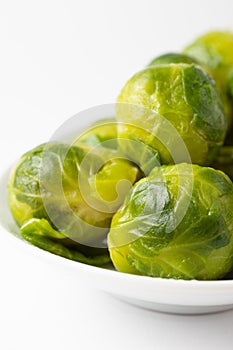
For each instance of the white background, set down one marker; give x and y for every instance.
(57, 58)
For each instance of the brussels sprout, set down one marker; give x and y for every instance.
(177, 96)
(26, 182)
(176, 223)
(214, 50)
(224, 161)
(68, 187)
(172, 57)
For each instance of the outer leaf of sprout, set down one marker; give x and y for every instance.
(185, 96)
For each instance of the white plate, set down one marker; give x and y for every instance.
(166, 295)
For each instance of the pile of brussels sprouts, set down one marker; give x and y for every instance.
(150, 191)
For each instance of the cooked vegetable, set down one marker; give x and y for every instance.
(59, 162)
(60, 184)
(167, 106)
(214, 50)
(172, 57)
(176, 223)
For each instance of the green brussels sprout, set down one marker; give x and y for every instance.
(224, 161)
(69, 188)
(172, 57)
(25, 184)
(165, 105)
(214, 51)
(176, 223)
